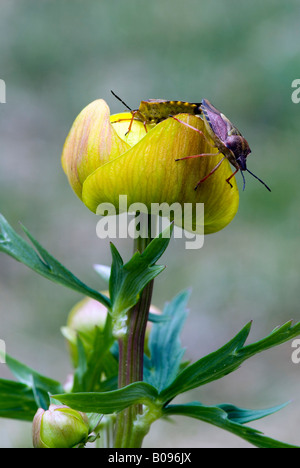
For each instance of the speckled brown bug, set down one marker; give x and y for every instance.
(227, 139)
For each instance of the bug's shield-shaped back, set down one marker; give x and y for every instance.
(217, 125)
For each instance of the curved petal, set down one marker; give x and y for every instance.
(148, 173)
(92, 141)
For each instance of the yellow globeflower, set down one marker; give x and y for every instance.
(102, 163)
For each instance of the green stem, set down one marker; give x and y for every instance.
(131, 354)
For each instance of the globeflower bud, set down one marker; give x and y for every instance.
(92, 141)
(59, 427)
(103, 162)
(83, 319)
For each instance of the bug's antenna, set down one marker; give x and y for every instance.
(120, 100)
(244, 180)
(259, 180)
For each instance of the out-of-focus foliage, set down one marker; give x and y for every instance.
(57, 56)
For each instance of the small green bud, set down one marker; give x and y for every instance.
(59, 427)
(83, 319)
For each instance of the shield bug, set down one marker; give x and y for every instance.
(156, 110)
(227, 139)
(153, 111)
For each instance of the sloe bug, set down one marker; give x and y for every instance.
(227, 139)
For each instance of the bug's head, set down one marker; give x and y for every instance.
(240, 148)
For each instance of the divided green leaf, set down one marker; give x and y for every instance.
(20, 400)
(226, 359)
(127, 281)
(110, 402)
(231, 419)
(100, 361)
(17, 401)
(41, 261)
(164, 344)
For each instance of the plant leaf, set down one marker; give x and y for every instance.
(17, 401)
(127, 281)
(41, 261)
(82, 366)
(100, 361)
(228, 420)
(40, 385)
(110, 402)
(164, 344)
(155, 318)
(226, 359)
(243, 416)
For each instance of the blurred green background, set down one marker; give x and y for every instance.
(56, 57)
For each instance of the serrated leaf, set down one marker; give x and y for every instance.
(155, 318)
(82, 366)
(24, 374)
(41, 261)
(99, 362)
(110, 402)
(40, 385)
(226, 359)
(109, 384)
(226, 420)
(278, 336)
(164, 344)
(128, 280)
(243, 416)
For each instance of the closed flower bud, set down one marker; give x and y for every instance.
(59, 427)
(102, 162)
(83, 319)
(91, 142)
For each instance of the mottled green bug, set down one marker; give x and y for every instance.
(225, 136)
(157, 110)
(154, 111)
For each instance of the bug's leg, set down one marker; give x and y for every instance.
(232, 175)
(145, 126)
(211, 172)
(131, 122)
(198, 156)
(193, 128)
(120, 120)
(125, 120)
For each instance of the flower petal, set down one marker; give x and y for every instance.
(92, 141)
